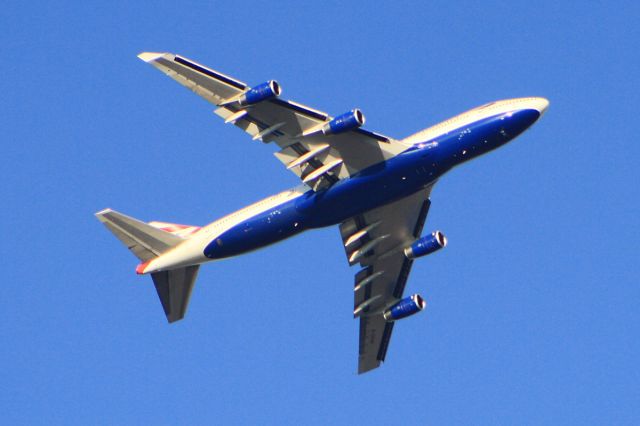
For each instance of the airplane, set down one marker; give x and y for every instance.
(376, 188)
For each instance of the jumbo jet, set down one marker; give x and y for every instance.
(374, 187)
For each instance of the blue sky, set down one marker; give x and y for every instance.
(532, 309)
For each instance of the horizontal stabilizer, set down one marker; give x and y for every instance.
(174, 289)
(144, 240)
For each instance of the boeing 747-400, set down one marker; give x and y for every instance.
(374, 187)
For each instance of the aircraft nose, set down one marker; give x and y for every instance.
(540, 104)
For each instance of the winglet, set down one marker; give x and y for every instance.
(150, 56)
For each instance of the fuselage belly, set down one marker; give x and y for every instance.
(424, 162)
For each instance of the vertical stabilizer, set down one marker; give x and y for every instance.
(174, 289)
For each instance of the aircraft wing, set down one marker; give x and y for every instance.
(318, 159)
(376, 240)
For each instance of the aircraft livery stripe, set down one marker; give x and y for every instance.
(210, 73)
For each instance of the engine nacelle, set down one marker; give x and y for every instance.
(426, 245)
(342, 123)
(404, 308)
(261, 92)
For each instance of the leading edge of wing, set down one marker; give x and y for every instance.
(150, 57)
(153, 57)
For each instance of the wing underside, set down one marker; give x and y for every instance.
(376, 240)
(318, 159)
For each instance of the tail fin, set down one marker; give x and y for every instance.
(174, 289)
(148, 242)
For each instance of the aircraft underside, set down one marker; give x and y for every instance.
(374, 187)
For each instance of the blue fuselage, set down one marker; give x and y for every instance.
(412, 170)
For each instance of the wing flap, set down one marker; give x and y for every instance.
(375, 334)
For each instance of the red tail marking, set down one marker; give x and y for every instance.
(141, 267)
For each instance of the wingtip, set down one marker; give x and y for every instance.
(150, 56)
(103, 212)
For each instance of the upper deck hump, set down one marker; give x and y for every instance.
(478, 113)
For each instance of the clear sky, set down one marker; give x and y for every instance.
(532, 313)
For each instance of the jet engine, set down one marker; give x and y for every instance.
(426, 245)
(342, 123)
(405, 307)
(261, 92)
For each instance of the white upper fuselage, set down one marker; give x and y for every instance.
(476, 114)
